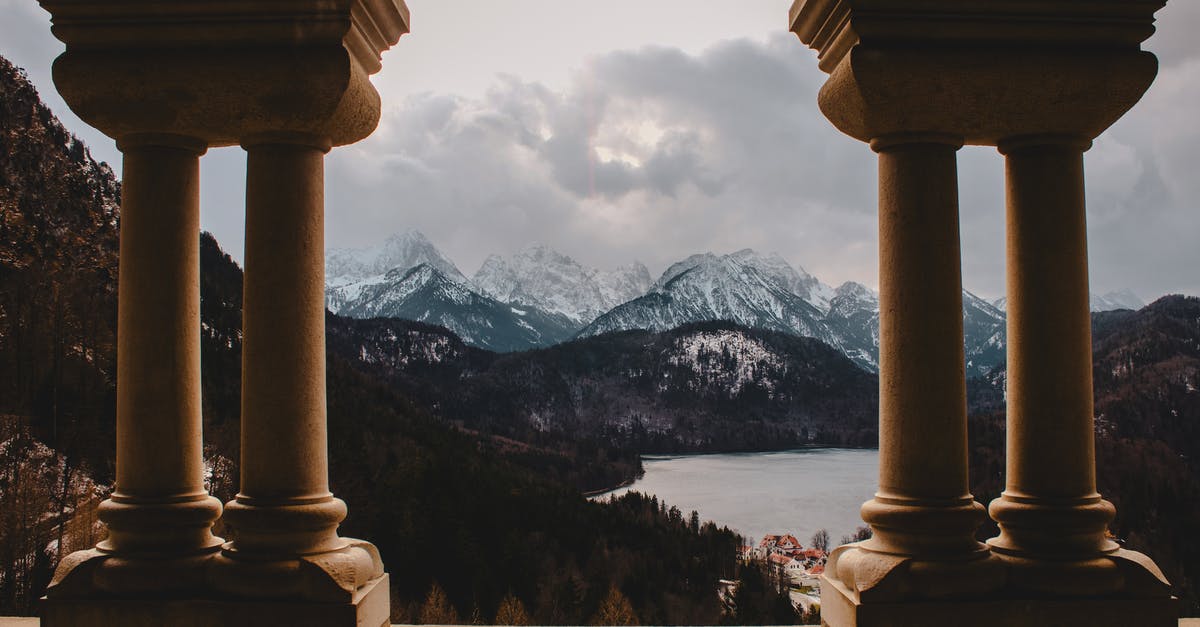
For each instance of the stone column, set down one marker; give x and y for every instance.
(1039, 80)
(269, 75)
(923, 516)
(284, 519)
(284, 453)
(159, 510)
(922, 401)
(1052, 519)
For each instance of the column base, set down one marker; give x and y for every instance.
(840, 607)
(1121, 573)
(335, 576)
(369, 607)
(874, 576)
(94, 573)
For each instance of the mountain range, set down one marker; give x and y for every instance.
(539, 297)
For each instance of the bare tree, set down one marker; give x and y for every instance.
(820, 540)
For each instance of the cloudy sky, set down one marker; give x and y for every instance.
(652, 130)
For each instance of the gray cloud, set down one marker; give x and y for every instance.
(651, 154)
(654, 154)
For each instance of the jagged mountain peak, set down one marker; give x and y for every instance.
(404, 250)
(771, 267)
(1117, 299)
(850, 298)
(542, 277)
(852, 289)
(971, 301)
(679, 267)
(424, 293)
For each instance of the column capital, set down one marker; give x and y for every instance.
(287, 138)
(221, 71)
(133, 141)
(984, 70)
(1010, 145)
(885, 143)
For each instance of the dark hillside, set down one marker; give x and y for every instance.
(58, 272)
(711, 386)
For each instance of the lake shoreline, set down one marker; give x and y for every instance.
(591, 494)
(797, 490)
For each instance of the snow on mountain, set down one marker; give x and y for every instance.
(773, 267)
(551, 281)
(854, 313)
(765, 292)
(744, 287)
(1120, 299)
(727, 357)
(985, 332)
(539, 296)
(425, 294)
(400, 251)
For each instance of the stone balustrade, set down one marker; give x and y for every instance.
(167, 80)
(1039, 80)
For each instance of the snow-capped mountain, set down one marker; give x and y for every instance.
(407, 277)
(350, 270)
(553, 282)
(772, 267)
(1119, 299)
(402, 250)
(425, 294)
(764, 291)
(539, 297)
(985, 333)
(744, 287)
(854, 313)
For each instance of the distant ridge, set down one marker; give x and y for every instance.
(538, 297)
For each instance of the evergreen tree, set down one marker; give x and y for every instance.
(757, 601)
(511, 611)
(437, 609)
(615, 609)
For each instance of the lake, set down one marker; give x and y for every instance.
(793, 492)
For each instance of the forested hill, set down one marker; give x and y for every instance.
(713, 386)
(58, 270)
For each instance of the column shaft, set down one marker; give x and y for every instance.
(1050, 507)
(923, 517)
(924, 506)
(284, 519)
(283, 430)
(922, 402)
(1050, 432)
(284, 480)
(159, 503)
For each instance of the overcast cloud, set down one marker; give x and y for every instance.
(654, 152)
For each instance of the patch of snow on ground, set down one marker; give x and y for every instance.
(728, 358)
